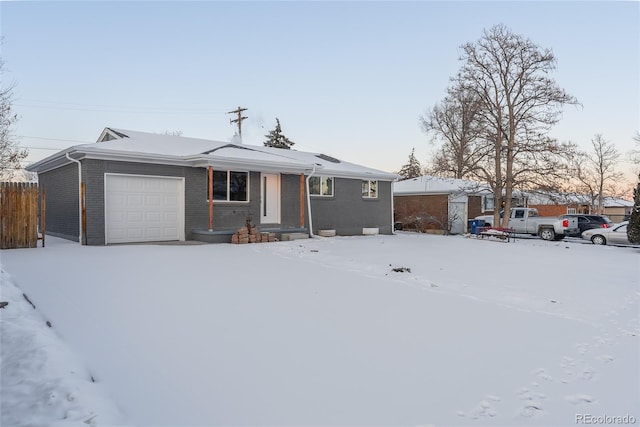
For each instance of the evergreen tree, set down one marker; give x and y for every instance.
(633, 229)
(276, 138)
(412, 169)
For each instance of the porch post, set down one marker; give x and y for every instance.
(301, 200)
(210, 198)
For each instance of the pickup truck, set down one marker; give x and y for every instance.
(527, 221)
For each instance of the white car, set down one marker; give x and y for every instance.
(616, 235)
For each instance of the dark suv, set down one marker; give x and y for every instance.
(587, 222)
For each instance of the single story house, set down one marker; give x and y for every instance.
(433, 203)
(616, 209)
(556, 204)
(134, 186)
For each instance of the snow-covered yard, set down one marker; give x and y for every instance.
(321, 332)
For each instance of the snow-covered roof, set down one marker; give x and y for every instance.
(435, 185)
(135, 146)
(145, 142)
(615, 202)
(539, 198)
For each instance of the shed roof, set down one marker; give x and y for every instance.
(436, 185)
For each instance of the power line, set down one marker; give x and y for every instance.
(128, 111)
(100, 107)
(30, 147)
(53, 139)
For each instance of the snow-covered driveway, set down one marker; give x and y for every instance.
(323, 331)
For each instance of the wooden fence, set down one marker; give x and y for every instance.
(19, 215)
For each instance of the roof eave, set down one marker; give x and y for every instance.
(361, 175)
(54, 161)
(263, 166)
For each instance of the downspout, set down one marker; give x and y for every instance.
(393, 216)
(210, 195)
(79, 196)
(309, 201)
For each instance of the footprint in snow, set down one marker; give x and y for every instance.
(542, 374)
(531, 410)
(532, 405)
(579, 398)
(582, 347)
(483, 409)
(605, 358)
(574, 372)
(526, 394)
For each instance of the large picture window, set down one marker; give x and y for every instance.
(321, 186)
(370, 189)
(229, 186)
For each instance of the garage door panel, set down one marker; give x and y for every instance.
(170, 216)
(154, 217)
(154, 233)
(135, 185)
(143, 208)
(158, 201)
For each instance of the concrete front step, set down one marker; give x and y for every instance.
(293, 236)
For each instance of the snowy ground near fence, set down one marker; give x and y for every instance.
(321, 332)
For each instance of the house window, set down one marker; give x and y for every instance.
(229, 186)
(571, 211)
(321, 186)
(487, 203)
(370, 189)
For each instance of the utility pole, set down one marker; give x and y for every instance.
(239, 119)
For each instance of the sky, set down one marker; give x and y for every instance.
(175, 336)
(349, 79)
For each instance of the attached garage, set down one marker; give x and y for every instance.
(141, 208)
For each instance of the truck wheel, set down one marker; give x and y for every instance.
(547, 234)
(598, 240)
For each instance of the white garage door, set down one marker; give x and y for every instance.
(141, 208)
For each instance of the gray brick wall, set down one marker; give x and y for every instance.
(93, 176)
(62, 216)
(348, 212)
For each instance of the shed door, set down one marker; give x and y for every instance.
(457, 217)
(141, 208)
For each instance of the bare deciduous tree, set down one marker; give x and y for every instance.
(635, 154)
(596, 171)
(519, 104)
(455, 122)
(11, 155)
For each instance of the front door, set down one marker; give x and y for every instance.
(269, 198)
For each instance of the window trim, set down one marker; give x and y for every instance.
(321, 177)
(228, 171)
(369, 196)
(488, 203)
